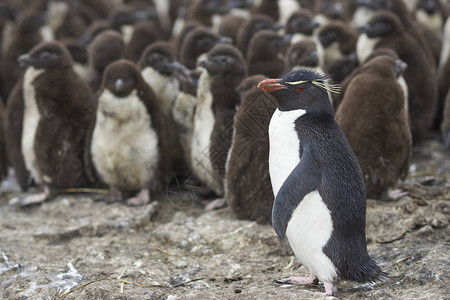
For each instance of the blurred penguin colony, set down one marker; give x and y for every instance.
(127, 95)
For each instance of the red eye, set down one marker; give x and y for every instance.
(300, 90)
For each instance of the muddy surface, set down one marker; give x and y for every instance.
(47, 250)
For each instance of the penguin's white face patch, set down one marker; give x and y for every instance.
(124, 146)
(284, 153)
(365, 46)
(31, 118)
(308, 231)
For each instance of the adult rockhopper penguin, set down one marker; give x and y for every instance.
(309, 162)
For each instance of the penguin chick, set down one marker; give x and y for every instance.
(337, 98)
(265, 53)
(413, 27)
(269, 8)
(208, 12)
(301, 25)
(256, 23)
(95, 28)
(247, 184)
(158, 68)
(380, 136)
(386, 30)
(126, 142)
(107, 47)
(28, 32)
(144, 34)
(338, 41)
(302, 54)
(309, 158)
(431, 14)
(197, 42)
(57, 109)
(213, 120)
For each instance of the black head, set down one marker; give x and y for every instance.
(47, 55)
(93, 30)
(248, 84)
(211, 7)
(429, 6)
(340, 32)
(301, 89)
(331, 8)
(375, 4)
(200, 40)
(128, 15)
(224, 60)
(382, 23)
(301, 21)
(161, 57)
(107, 47)
(267, 44)
(77, 50)
(121, 78)
(303, 53)
(31, 22)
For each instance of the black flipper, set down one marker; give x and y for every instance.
(304, 179)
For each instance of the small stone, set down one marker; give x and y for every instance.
(238, 291)
(424, 231)
(409, 207)
(439, 221)
(421, 220)
(420, 202)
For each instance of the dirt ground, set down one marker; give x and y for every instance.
(47, 250)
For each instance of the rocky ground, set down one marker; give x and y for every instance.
(47, 250)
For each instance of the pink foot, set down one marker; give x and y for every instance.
(142, 198)
(36, 198)
(312, 279)
(330, 288)
(216, 204)
(396, 194)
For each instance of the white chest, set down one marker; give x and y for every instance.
(332, 53)
(433, 23)
(31, 118)
(361, 16)
(308, 231)
(127, 33)
(284, 152)
(124, 146)
(166, 88)
(286, 9)
(401, 80)
(365, 46)
(445, 51)
(201, 137)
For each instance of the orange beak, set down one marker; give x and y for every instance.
(270, 85)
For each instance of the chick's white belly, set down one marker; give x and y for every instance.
(308, 231)
(125, 151)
